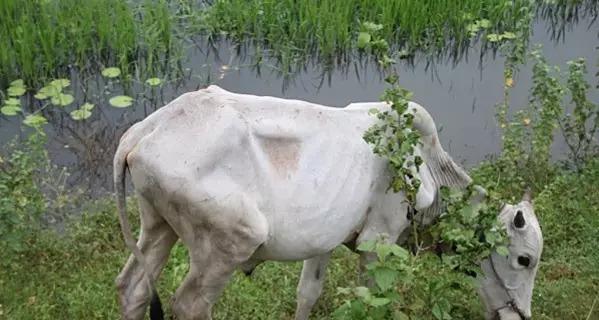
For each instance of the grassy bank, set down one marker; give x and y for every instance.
(71, 276)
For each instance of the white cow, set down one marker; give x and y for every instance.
(241, 179)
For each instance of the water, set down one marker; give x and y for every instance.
(461, 98)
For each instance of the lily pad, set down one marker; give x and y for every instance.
(62, 99)
(80, 114)
(154, 82)
(12, 102)
(16, 91)
(17, 83)
(60, 83)
(508, 35)
(10, 110)
(111, 72)
(34, 120)
(48, 92)
(121, 101)
(87, 106)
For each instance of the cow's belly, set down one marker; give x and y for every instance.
(298, 235)
(318, 203)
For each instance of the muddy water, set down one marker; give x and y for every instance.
(461, 97)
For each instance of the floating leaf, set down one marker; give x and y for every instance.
(10, 110)
(121, 101)
(87, 106)
(34, 120)
(508, 35)
(80, 114)
(363, 39)
(60, 83)
(153, 82)
(48, 92)
(493, 37)
(16, 91)
(17, 83)
(62, 99)
(12, 102)
(111, 72)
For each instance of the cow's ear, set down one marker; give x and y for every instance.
(527, 196)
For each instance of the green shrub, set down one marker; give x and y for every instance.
(21, 200)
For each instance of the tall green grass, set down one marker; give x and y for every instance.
(328, 28)
(44, 39)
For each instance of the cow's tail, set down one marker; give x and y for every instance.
(120, 165)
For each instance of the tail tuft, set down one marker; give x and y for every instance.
(156, 312)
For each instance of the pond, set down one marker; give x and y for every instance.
(460, 96)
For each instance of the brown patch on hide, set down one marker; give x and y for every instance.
(283, 154)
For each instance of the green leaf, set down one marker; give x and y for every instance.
(16, 91)
(34, 120)
(383, 250)
(12, 102)
(10, 110)
(362, 292)
(121, 101)
(493, 37)
(372, 27)
(48, 92)
(385, 278)
(80, 114)
(377, 302)
(399, 252)
(111, 72)
(367, 245)
(60, 83)
(154, 82)
(502, 250)
(17, 83)
(437, 312)
(87, 106)
(484, 23)
(62, 99)
(363, 39)
(508, 35)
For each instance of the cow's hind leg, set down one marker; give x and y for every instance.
(156, 240)
(310, 284)
(225, 235)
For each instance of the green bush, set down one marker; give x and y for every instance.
(21, 202)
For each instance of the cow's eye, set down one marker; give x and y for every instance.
(524, 261)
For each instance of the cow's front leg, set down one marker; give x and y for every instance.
(310, 284)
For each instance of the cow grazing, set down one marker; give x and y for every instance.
(242, 179)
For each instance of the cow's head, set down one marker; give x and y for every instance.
(507, 284)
